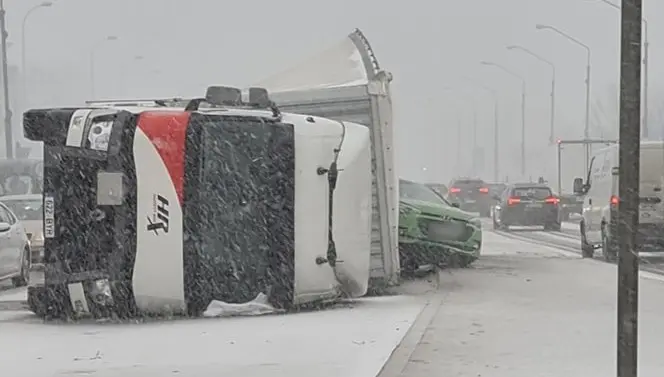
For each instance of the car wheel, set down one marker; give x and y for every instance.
(24, 278)
(408, 263)
(466, 261)
(565, 216)
(552, 227)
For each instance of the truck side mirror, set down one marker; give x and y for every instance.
(578, 186)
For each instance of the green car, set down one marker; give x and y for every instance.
(434, 231)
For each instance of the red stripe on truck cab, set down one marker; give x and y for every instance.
(167, 132)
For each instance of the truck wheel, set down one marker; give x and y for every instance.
(587, 250)
(37, 300)
(609, 249)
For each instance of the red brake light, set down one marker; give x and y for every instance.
(484, 190)
(513, 200)
(454, 189)
(614, 201)
(552, 200)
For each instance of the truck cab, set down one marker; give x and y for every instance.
(163, 209)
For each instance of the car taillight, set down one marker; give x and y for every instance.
(614, 201)
(455, 190)
(484, 190)
(513, 201)
(552, 200)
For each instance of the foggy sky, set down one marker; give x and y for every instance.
(427, 45)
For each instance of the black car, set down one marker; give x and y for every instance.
(570, 203)
(527, 204)
(472, 195)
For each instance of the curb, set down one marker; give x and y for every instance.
(400, 356)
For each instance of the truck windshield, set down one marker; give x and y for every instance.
(244, 188)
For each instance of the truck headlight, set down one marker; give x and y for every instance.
(101, 292)
(100, 135)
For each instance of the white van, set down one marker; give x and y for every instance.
(601, 200)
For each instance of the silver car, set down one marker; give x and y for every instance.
(15, 253)
(28, 210)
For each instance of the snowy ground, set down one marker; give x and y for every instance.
(529, 307)
(526, 309)
(346, 341)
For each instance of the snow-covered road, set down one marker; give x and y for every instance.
(530, 310)
(531, 306)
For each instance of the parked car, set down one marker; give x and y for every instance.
(434, 231)
(472, 195)
(14, 249)
(527, 204)
(29, 211)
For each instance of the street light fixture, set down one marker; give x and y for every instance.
(586, 130)
(523, 109)
(646, 61)
(496, 133)
(45, 4)
(94, 48)
(553, 85)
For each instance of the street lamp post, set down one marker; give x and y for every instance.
(553, 87)
(9, 146)
(496, 133)
(523, 109)
(92, 62)
(44, 4)
(646, 60)
(586, 129)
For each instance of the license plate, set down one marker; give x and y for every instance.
(534, 205)
(470, 201)
(49, 217)
(448, 231)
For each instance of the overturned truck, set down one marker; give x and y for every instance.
(167, 206)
